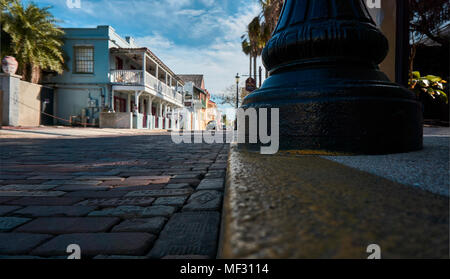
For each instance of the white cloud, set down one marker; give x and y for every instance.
(155, 41)
(190, 12)
(171, 28)
(219, 61)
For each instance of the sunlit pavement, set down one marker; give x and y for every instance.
(135, 194)
(114, 193)
(297, 206)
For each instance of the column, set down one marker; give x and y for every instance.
(128, 102)
(144, 68)
(149, 113)
(112, 101)
(160, 122)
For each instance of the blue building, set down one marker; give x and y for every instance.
(113, 83)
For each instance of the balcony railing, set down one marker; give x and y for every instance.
(131, 77)
(135, 77)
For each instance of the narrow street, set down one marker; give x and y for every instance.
(128, 195)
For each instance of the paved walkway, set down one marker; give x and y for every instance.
(296, 206)
(131, 195)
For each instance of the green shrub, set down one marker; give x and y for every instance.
(430, 85)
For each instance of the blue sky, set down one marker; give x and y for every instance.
(190, 36)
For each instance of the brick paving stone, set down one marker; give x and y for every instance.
(13, 176)
(138, 201)
(191, 181)
(200, 169)
(5, 209)
(139, 188)
(126, 183)
(21, 181)
(52, 177)
(192, 175)
(48, 201)
(220, 166)
(93, 244)
(96, 194)
(9, 223)
(26, 187)
(4, 200)
(55, 211)
(188, 233)
(174, 201)
(20, 243)
(159, 210)
(125, 211)
(106, 173)
(153, 179)
(140, 173)
(178, 186)
(159, 193)
(150, 225)
(72, 182)
(72, 188)
(102, 178)
(31, 193)
(204, 201)
(66, 225)
(211, 184)
(215, 174)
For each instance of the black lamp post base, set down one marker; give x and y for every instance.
(344, 109)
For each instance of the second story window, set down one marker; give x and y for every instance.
(84, 60)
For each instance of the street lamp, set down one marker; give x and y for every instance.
(237, 98)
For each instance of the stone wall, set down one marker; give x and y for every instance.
(29, 104)
(118, 120)
(21, 104)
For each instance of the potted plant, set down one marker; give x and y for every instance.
(432, 91)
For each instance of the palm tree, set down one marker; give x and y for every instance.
(246, 48)
(271, 10)
(259, 31)
(254, 41)
(36, 42)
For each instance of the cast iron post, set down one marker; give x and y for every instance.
(324, 77)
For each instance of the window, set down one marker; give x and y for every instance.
(84, 60)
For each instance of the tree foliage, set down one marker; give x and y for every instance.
(35, 40)
(228, 96)
(427, 17)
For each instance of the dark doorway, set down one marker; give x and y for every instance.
(47, 98)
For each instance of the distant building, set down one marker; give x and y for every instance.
(112, 82)
(196, 101)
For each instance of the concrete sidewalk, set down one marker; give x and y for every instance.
(298, 206)
(70, 132)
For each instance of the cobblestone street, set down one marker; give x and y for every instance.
(128, 196)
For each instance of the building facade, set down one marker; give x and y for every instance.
(113, 83)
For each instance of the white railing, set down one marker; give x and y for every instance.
(162, 88)
(127, 77)
(135, 77)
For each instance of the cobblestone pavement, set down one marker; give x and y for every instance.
(116, 197)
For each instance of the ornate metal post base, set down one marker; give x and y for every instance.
(323, 59)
